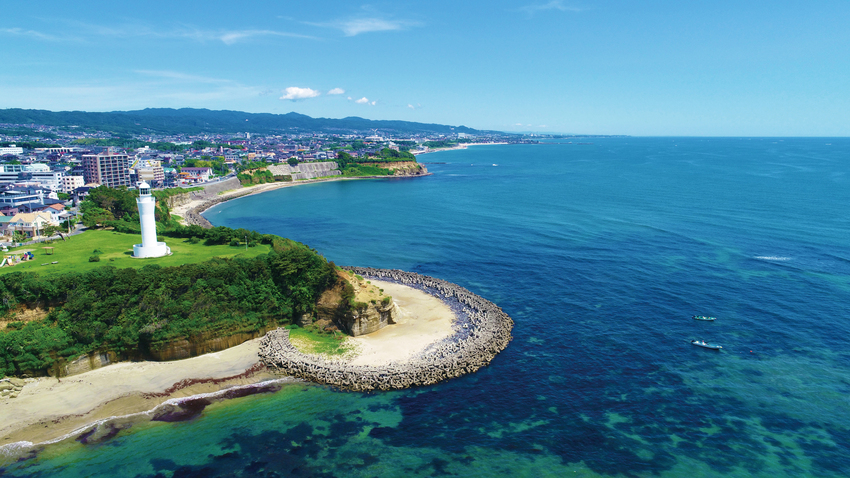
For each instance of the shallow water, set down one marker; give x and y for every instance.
(601, 253)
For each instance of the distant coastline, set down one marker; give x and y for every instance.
(191, 213)
(453, 148)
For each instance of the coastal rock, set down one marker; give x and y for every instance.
(368, 311)
(402, 168)
(11, 387)
(85, 363)
(368, 319)
(305, 320)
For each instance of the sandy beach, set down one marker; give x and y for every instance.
(48, 408)
(424, 319)
(453, 148)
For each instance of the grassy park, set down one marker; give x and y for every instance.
(116, 249)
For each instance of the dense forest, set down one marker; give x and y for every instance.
(133, 312)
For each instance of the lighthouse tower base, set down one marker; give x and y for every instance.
(157, 250)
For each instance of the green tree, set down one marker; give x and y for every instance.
(292, 161)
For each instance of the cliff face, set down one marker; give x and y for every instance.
(402, 168)
(370, 312)
(176, 350)
(373, 317)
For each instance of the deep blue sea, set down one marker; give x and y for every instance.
(601, 253)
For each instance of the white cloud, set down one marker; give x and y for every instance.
(140, 30)
(411, 106)
(232, 37)
(29, 33)
(552, 5)
(336, 91)
(349, 98)
(295, 93)
(373, 103)
(356, 26)
(362, 101)
(518, 124)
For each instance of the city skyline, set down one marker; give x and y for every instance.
(659, 68)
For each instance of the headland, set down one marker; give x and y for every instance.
(430, 337)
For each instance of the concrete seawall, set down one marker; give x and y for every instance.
(482, 330)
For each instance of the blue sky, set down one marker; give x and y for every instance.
(747, 68)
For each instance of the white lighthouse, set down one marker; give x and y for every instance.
(149, 247)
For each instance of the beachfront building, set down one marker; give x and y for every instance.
(196, 174)
(147, 216)
(109, 169)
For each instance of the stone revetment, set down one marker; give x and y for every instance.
(481, 331)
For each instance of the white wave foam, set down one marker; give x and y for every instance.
(772, 258)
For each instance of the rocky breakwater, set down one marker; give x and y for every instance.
(481, 331)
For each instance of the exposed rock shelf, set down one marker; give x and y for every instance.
(482, 330)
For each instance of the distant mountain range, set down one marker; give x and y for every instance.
(197, 121)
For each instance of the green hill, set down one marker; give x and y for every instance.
(195, 121)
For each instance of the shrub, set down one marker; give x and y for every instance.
(97, 251)
(94, 259)
(234, 242)
(194, 240)
(386, 300)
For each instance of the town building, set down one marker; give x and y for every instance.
(30, 224)
(69, 183)
(11, 149)
(109, 169)
(196, 174)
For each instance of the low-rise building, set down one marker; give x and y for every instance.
(30, 224)
(198, 174)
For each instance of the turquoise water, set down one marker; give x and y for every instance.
(601, 253)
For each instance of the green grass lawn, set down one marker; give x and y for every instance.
(73, 254)
(311, 342)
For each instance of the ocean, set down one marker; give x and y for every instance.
(601, 253)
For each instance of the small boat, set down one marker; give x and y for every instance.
(704, 344)
(704, 317)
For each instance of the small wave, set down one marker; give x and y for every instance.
(772, 258)
(22, 448)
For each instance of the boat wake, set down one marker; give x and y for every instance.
(772, 258)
